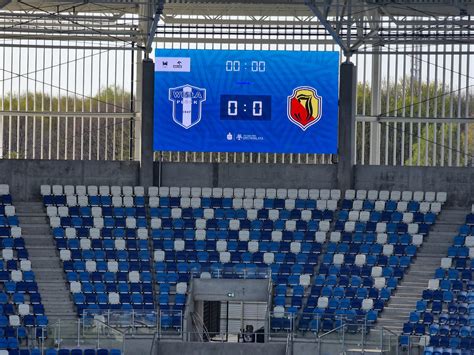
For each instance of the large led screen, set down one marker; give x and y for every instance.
(246, 101)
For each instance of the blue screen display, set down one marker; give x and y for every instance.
(246, 101)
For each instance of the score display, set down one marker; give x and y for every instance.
(245, 107)
(246, 101)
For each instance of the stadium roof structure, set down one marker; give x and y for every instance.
(353, 24)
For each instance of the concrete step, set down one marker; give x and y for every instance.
(43, 254)
(45, 261)
(29, 219)
(35, 229)
(38, 241)
(428, 258)
(25, 207)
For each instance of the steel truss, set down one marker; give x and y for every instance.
(429, 43)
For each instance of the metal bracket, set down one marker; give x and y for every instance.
(154, 24)
(315, 10)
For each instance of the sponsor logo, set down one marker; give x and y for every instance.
(173, 64)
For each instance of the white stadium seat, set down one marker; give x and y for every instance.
(303, 194)
(57, 190)
(249, 193)
(153, 191)
(45, 190)
(361, 194)
(81, 190)
(372, 195)
(350, 194)
(384, 195)
(367, 304)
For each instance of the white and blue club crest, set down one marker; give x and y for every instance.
(187, 104)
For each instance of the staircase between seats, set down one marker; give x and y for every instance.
(428, 258)
(46, 265)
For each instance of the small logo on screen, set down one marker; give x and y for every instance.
(173, 64)
(187, 104)
(304, 107)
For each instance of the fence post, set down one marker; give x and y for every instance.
(347, 110)
(146, 120)
(78, 332)
(376, 109)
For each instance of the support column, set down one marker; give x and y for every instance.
(143, 25)
(347, 110)
(146, 118)
(375, 108)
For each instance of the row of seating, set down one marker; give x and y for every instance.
(238, 203)
(358, 206)
(85, 201)
(92, 190)
(446, 311)
(104, 249)
(62, 352)
(237, 233)
(21, 310)
(305, 214)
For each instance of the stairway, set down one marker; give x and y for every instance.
(434, 247)
(46, 263)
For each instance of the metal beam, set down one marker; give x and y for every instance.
(314, 9)
(154, 24)
(4, 3)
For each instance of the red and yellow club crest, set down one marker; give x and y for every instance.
(304, 107)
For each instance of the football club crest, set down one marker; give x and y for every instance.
(187, 104)
(304, 107)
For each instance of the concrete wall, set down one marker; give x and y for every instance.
(26, 176)
(272, 348)
(218, 290)
(195, 348)
(247, 175)
(457, 182)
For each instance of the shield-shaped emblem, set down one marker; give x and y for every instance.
(304, 107)
(187, 104)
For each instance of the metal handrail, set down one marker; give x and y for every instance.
(123, 334)
(332, 331)
(287, 348)
(110, 327)
(390, 331)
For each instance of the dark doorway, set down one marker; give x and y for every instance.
(212, 317)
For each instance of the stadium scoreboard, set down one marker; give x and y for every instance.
(246, 101)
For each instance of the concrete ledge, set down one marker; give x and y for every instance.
(26, 176)
(241, 290)
(247, 175)
(457, 182)
(195, 348)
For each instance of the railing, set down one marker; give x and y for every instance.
(414, 141)
(135, 321)
(345, 336)
(289, 344)
(346, 332)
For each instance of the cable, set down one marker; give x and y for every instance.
(424, 101)
(138, 17)
(428, 62)
(69, 91)
(81, 25)
(63, 63)
(387, 124)
(40, 17)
